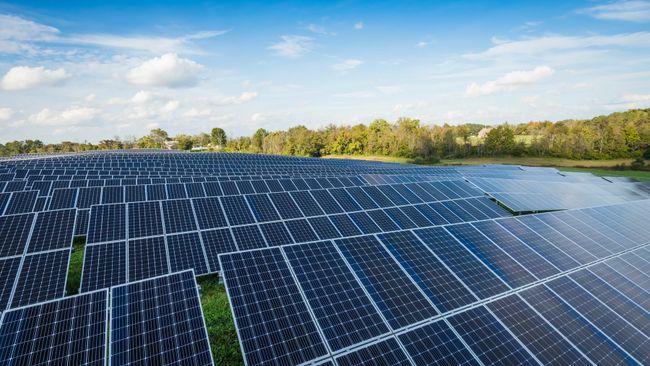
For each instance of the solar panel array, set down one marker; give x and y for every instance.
(325, 261)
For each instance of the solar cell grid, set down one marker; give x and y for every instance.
(186, 252)
(147, 258)
(399, 299)
(329, 287)
(386, 352)
(104, 266)
(436, 344)
(52, 230)
(68, 331)
(248, 237)
(8, 273)
(262, 208)
(178, 216)
(144, 219)
(14, 232)
(42, 277)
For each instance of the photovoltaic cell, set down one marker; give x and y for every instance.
(70, 331)
(179, 216)
(52, 230)
(14, 231)
(438, 283)
(324, 228)
(147, 258)
(248, 237)
(396, 295)
(217, 242)
(8, 274)
(469, 269)
(386, 352)
(301, 231)
(345, 225)
(21, 202)
(342, 309)
(236, 210)
(285, 205)
(307, 204)
(107, 223)
(437, 345)
(158, 321)
(104, 266)
(276, 234)
(145, 219)
(285, 333)
(262, 208)
(63, 198)
(186, 252)
(42, 277)
(490, 341)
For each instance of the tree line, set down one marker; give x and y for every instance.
(618, 135)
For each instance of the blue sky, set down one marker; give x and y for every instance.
(78, 70)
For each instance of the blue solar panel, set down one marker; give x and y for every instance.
(324, 227)
(42, 277)
(362, 198)
(248, 237)
(330, 286)
(156, 192)
(489, 339)
(70, 331)
(301, 231)
(345, 225)
(262, 208)
(285, 333)
(400, 300)
(470, 270)
(276, 234)
(436, 344)
(236, 210)
(8, 273)
(145, 219)
(63, 198)
(383, 220)
(438, 282)
(178, 216)
(104, 266)
(107, 223)
(21, 202)
(186, 252)
(345, 200)
(135, 193)
(307, 204)
(285, 205)
(379, 198)
(147, 258)
(326, 201)
(387, 352)
(209, 213)
(113, 194)
(401, 219)
(158, 321)
(176, 190)
(14, 232)
(88, 197)
(52, 230)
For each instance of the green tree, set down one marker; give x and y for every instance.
(258, 140)
(184, 142)
(500, 140)
(218, 137)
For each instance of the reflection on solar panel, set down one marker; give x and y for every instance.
(158, 321)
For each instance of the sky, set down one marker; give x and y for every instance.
(87, 71)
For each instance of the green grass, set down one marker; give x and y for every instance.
(219, 321)
(75, 266)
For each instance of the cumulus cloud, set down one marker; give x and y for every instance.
(240, 99)
(293, 46)
(25, 77)
(358, 25)
(67, 117)
(168, 70)
(170, 106)
(625, 10)
(142, 97)
(347, 65)
(545, 44)
(5, 114)
(509, 81)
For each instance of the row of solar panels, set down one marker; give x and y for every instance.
(153, 322)
(141, 240)
(567, 287)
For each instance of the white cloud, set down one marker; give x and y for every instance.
(636, 98)
(259, 117)
(624, 10)
(347, 65)
(5, 114)
(67, 117)
(293, 46)
(509, 81)
(90, 97)
(389, 89)
(16, 34)
(405, 107)
(319, 30)
(170, 106)
(421, 44)
(25, 77)
(145, 43)
(142, 97)
(358, 25)
(240, 99)
(195, 112)
(167, 70)
(541, 45)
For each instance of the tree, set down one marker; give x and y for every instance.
(158, 136)
(218, 137)
(258, 140)
(184, 142)
(500, 140)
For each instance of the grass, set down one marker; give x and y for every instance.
(76, 265)
(219, 321)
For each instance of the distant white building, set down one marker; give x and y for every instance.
(483, 132)
(171, 145)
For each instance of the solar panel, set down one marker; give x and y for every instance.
(216, 242)
(186, 252)
(387, 352)
(21, 202)
(286, 333)
(145, 219)
(437, 344)
(69, 331)
(401, 301)
(248, 237)
(14, 233)
(52, 230)
(8, 273)
(107, 223)
(148, 257)
(104, 266)
(42, 277)
(236, 210)
(63, 198)
(158, 321)
(262, 208)
(276, 234)
(329, 285)
(179, 216)
(209, 213)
